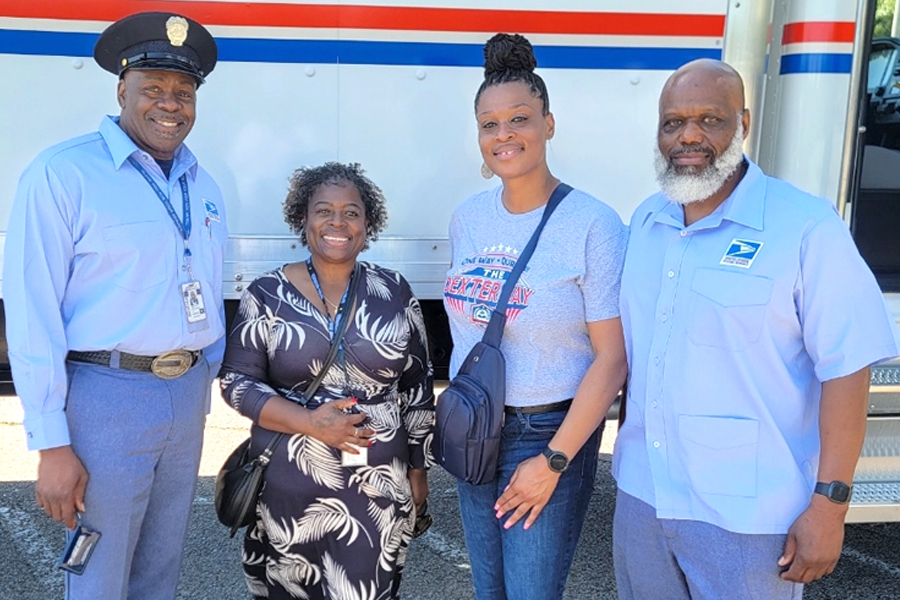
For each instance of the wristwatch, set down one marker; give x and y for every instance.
(836, 491)
(556, 460)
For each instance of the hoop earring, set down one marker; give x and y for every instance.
(486, 171)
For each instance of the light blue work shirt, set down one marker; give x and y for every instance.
(94, 262)
(731, 326)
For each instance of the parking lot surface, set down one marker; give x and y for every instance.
(437, 569)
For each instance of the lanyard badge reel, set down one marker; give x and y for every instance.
(78, 550)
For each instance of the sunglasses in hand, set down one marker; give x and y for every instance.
(423, 520)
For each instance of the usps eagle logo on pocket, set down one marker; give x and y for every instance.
(741, 253)
(212, 212)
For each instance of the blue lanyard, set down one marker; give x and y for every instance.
(332, 324)
(184, 224)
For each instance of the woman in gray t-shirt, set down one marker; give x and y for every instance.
(563, 340)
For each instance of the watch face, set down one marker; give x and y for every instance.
(840, 492)
(558, 462)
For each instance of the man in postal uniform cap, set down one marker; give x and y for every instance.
(116, 331)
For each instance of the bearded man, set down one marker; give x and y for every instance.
(750, 324)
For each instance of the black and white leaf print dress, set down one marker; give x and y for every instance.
(323, 530)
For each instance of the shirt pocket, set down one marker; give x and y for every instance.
(721, 454)
(139, 254)
(727, 310)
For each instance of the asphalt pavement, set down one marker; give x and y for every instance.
(437, 569)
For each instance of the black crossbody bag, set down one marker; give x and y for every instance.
(469, 413)
(239, 481)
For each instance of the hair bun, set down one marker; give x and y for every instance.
(508, 52)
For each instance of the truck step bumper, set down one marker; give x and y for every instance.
(875, 502)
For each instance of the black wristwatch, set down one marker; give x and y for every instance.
(836, 491)
(556, 460)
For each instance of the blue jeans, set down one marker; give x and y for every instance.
(515, 564)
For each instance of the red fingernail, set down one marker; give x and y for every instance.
(354, 400)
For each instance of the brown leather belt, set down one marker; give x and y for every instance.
(539, 409)
(169, 365)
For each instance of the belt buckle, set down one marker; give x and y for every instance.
(172, 365)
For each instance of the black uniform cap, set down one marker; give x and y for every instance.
(157, 41)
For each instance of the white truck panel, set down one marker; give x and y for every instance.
(395, 95)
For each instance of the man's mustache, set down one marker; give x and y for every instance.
(692, 149)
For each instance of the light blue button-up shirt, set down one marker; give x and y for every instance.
(731, 325)
(94, 262)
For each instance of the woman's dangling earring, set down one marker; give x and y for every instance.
(486, 171)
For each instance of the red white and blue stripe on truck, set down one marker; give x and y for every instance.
(817, 47)
(428, 36)
(379, 35)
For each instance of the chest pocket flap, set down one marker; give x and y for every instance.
(727, 288)
(139, 254)
(727, 310)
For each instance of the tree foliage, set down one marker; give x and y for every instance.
(884, 16)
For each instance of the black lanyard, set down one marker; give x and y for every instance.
(183, 224)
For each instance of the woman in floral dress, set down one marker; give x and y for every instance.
(324, 530)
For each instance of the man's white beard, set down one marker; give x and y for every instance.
(694, 187)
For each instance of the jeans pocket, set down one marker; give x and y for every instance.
(720, 454)
(543, 424)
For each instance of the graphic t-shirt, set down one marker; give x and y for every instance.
(571, 279)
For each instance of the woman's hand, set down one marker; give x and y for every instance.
(418, 481)
(528, 491)
(332, 424)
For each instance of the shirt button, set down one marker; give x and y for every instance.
(656, 444)
(671, 274)
(664, 317)
(683, 233)
(655, 360)
(654, 405)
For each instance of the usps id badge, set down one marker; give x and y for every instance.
(355, 460)
(194, 309)
(78, 550)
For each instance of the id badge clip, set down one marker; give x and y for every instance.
(78, 550)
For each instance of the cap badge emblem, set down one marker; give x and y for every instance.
(177, 30)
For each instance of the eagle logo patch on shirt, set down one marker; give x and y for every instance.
(212, 212)
(741, 253)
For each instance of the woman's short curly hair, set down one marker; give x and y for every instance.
(307, 180)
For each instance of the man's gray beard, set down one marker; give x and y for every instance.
(694, 187)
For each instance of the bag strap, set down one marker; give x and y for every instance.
(266, 454)
(494, 330)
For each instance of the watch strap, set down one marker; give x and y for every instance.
(836, 491)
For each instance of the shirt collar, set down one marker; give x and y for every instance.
(121, 147)
(745, 205)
